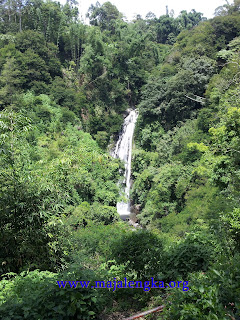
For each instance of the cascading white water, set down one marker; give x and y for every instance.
(123, 151)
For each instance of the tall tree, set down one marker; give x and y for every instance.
(104, 16)
(9, 82)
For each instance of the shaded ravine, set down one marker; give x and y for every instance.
(123, 151)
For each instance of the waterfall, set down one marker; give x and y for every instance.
(123, 151)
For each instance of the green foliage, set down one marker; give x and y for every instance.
(104, 16)
(232, 221)
(102, 138)
(85, 213)
(173, 99)
(161, 192)
(22, 220)
(167, 28)
(45, 114)
(43, 179)
(141, 251)
(194, 253)
(93, 243)
(9, 82)
(225, 29)
(63, 95)
(35, 295)
(32, 61)
(209, 37)
(203, 205)
(58, 189)
(202, 303)
(142, 160)
(211, 296)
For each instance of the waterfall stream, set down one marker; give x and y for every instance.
(123, 151)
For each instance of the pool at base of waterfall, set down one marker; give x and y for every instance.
(123, 208)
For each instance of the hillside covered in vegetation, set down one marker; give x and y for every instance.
(65, 88)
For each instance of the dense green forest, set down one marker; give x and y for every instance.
(64, 90)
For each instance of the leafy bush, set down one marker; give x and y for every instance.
(96, 240)
(212, 295)
(141, 251)
(37, 296)
(85, 213)
(194, 253)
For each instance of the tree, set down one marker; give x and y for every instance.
(104, 16)
(189, 20)
(228, 9)
(18, 198)
(141, 251)
(150, 16)
(9, 82)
